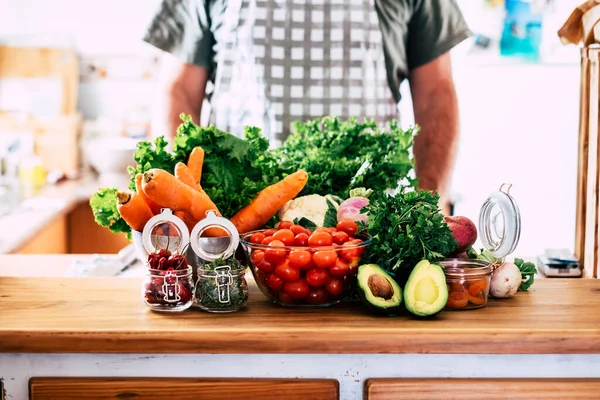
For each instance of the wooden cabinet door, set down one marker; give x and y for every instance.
(476, 389)
(182, 389)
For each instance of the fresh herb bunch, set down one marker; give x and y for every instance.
(339, 156)
(207, 291)
(406, 228)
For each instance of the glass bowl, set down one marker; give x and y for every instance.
(468, 283)
(304, 276)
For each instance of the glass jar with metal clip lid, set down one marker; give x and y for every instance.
(221, 286)
(468, 279)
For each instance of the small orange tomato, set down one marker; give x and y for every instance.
(284, 225)
(320, 238)
(284, 235)
(325, 258)
(257, 238)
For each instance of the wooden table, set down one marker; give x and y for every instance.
(99, 327)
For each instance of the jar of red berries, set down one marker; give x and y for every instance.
(168, 284)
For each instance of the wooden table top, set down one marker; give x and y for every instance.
(107, 315)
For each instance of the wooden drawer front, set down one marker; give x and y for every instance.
(182, 389)
(476, 389)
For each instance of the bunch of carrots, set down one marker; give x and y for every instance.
(182, 193)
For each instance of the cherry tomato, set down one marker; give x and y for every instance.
(301, 239)
(354, 266)
(269, 232)
(297, 290)
(284, 225)
(257, 238)
(331, 230)
(258, 259)
(349, 251)
(285, 298)
(348, 226)
(275, 253)
(335, 286)
(298, 229)
(320, 238)
(285, 235)
(316, 277)
(317, 296)
(299, 258)
(340, 268)
(267, 240)
(275, 282)
(340, 237)
(325, 258)
(285, 270)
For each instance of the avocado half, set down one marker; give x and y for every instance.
(378, 290)
(426, 292)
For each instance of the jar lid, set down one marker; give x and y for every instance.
(212, 248)
(462, 268)
(165, 231)
(500, 223)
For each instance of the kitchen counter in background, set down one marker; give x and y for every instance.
(58, 210)
(100, 328)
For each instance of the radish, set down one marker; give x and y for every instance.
(350, 208)
(505, 281)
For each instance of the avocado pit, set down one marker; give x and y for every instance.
(380, 287)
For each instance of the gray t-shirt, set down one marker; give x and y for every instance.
(414, 32)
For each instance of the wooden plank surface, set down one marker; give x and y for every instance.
(106, 315)
(476, 389)
(182, 389)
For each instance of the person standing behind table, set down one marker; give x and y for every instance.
(273, 62)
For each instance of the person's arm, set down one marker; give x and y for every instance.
(436, 112)
(181, 89)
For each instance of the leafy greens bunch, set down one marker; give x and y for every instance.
(339, 156)
(406, 228)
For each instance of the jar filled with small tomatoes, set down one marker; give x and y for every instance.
(468, 283)
(299, 267)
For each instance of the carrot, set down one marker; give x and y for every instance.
(183, 173)
(266, 204)
(187, 219)
(133, 209)
(167, 191)
(195, 163)
(155, 208)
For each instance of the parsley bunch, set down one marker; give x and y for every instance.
(406, 228)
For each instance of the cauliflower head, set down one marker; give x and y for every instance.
(312, 207)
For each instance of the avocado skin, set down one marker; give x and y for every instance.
(372, 303)
(442, 299)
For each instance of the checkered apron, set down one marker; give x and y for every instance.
(288, 60)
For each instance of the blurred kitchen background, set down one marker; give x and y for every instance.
(90, 98)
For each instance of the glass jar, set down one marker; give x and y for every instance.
(168, 290)
(221, 287)
(468, 283)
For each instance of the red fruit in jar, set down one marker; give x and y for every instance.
(335, 286)
(284, 235)
(286, 271)
(150, 297)
(163, 264)
(286, 298)
(299, 258)
(164, 253)
(316, 277)
(340, 237)
(153, 260)
(296, 229)
(257, 238)
(178, 262)
(301, 239)
(320, 238)
(297, 290)
(325, 258)
(184, 293)
(269, 232)
(275, 253)
(348, 226)
(284, 225)
(317, 296)
(275, 282)
(341, 268)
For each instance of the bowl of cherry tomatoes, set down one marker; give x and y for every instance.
(298, 267)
